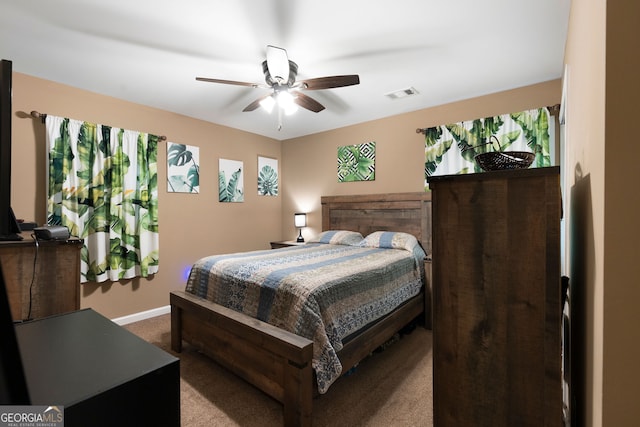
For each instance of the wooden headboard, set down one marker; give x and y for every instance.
(405, 212)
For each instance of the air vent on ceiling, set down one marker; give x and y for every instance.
(402, 93)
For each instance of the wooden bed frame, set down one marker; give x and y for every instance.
(279, 362)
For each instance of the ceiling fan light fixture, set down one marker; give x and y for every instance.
(290, 110)
(284, 98)
(286, 102)
(268, 103)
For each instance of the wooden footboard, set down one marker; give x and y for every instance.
(274, 360)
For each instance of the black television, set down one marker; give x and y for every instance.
(9, 228)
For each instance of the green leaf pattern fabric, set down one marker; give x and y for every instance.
(450, 149)
(357, 162)
(103, 186)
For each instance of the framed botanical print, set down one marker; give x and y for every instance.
(267, 176)
(357, 162)
(230, 181)
(183, 168)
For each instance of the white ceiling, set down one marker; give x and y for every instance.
(150, 51)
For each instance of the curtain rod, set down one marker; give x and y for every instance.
(43, 117)
(554, 110)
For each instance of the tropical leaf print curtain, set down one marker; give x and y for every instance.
(450, 149)
(103, 186)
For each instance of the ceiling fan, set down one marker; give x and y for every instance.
(280, 75)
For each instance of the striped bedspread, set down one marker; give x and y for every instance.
(323, 292)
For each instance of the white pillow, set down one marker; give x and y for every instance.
(390, 240)
(337, 237)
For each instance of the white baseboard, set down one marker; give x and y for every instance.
(142, 315)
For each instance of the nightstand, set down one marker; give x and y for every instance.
(284, 244)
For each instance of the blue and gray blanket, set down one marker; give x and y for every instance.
(323, 292)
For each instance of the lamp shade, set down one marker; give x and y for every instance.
(300, 219)
(268, 103)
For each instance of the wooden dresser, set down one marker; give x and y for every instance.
(43, 277)
(497, 306)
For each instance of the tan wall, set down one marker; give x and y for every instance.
(621, 335)
(584, 166)
(191, 226)
(310, 168)
(602, 59)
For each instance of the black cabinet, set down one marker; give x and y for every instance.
(101, 373)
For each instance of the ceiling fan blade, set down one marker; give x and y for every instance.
(330, 82)
(255, 104)
(278, 63)
(307, 102)
(227, 82)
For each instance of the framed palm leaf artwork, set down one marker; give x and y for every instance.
(267, 176)
(357, 162)
(230, 181)
(183, 168)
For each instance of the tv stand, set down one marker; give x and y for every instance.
(42, 279)
(13, 237)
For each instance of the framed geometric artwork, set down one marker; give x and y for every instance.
(357, 162)
(230, 181)
(183, 168)
(267, 176)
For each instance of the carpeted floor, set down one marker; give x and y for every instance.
(390, 388)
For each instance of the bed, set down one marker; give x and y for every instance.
(279, 362)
